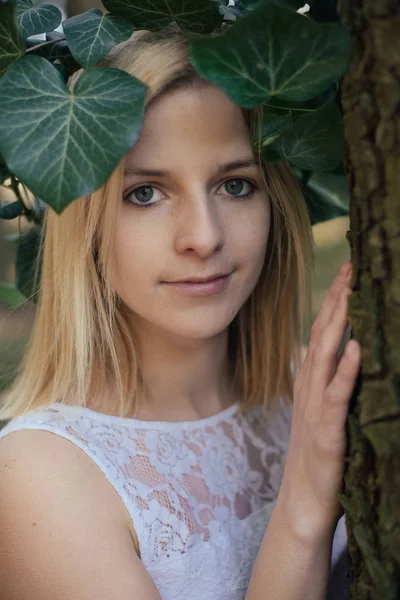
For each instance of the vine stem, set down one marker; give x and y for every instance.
(32, 48)
(14, 185)
(29, 212)
(291, 108)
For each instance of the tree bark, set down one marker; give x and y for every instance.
(370, 98)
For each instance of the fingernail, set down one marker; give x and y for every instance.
(345, 270)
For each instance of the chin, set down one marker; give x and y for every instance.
(195, 323)
(198, 329)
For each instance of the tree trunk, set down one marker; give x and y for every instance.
(370, 97)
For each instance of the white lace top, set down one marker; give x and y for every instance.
(200, 493)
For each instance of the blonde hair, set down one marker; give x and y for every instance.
(82, 334)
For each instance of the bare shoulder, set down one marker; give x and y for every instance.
(54, 467)
(63, 525)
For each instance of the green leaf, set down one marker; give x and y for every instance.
(10, 210)
(281, 107)
(32, 20)
(200, 16)
(28, 257)
(11, 44)
(91, 35)
(272, 127)
(65, 145)
(272, 52)
(315, 142)
(327, 197)
(10, 295)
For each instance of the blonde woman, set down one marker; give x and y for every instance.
(152, 450)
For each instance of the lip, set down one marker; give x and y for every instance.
(201, 287)
(201, 279)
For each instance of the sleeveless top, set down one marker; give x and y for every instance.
(199, 493)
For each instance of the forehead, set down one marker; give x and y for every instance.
(191, 123)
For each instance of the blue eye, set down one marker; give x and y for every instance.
(236, 187)
(143, 196)
(146, 195)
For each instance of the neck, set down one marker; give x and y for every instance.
(183, 379)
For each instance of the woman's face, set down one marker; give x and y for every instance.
(194, 207)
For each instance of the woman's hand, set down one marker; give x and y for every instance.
(323, 386)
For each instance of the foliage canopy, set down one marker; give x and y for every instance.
(64, 145)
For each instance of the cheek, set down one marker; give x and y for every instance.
(133, 259)
(252, 235)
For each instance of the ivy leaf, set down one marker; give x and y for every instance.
(315, 142)
(282, 107)
(200, 16)
(10, 295)
(272, 52)
(91, 35)
(11, 44)
(10, 210)
(327, 197)
(272, 127)
(58, 53)
(65, 145)
(28, 260)
(34, 20)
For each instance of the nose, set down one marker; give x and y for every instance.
(198, 226)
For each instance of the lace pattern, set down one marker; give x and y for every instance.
(199, 493)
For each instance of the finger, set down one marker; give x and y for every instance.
(339, 391)
(349, 365)
(328, 306)
(340, 281)
(324, 359)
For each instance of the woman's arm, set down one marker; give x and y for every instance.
(63, 535)
(295, 555)
(291, 564)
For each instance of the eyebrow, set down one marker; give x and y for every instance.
(223, 168)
